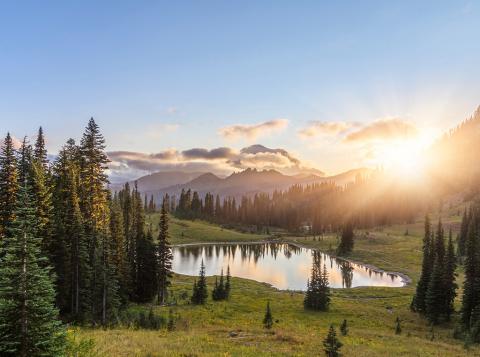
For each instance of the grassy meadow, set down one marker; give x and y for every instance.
(234, 328)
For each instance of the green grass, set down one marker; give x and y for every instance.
(183, 231)
(371, 312)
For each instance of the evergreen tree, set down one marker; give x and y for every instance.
(418, 303)
(317, 296)
(96, 215)
(346, 240)
(200, 292)
(462, 237)
(40, 151)
(69, 250)
(398, 326)
(42, 191)
(118, 245)
(165, 257)
(434, 299)
(228, 284)
(470, 297)
(29, 324)
(8, 185)
(268, 318)
(147, 284)
(218, 292)
(449, 284)
(344, 328)
(331, 345)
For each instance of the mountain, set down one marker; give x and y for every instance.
(160, 180)
(247, 182)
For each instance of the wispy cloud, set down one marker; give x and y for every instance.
(318, 128)
(384, 129)
(254, 131)
(349, 132)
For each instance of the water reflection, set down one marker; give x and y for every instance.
(282, 265)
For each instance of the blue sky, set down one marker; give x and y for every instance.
(169, 75)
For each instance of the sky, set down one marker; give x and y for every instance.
(321, 85)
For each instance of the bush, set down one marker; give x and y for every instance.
(140, 320)
(79, 347)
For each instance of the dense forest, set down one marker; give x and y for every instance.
(68, 247)
(318, 208)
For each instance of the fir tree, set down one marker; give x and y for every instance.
(418, 303)
(398, 327)
(331, 345)
(434, 299)
(95, 210)
(268, 318)
(69, 250)
(29, 324)
(165, 257)
(147, 279)
(317, 296)
(449, 278)
(470, 286)
(346, 240)
(228, 284)
(462, 237)
(8, 185)
(40, 151)
(200, 293)
(344, 328)
(218, 292)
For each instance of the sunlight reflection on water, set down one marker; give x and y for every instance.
(282, 265)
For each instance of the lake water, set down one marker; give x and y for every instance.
(282, 265)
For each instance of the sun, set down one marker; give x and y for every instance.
(405, 158)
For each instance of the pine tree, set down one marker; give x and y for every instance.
(165, 257)
(344, 328)
(346, 240)
(29, 324)
(398, 327)
(200, 292)
(331, 345)
(69, 250)
(449, 284)
(268, 318)
(418, 303)
(147, 283)
(470, 294)
(462, 237)
(218, 292)
(317, 296)
(40, 151)
(42, 191)
(434, 299)
(8, 185)
(96, 215)
(228, 284)
(118, 249)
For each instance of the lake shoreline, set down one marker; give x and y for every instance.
(406, 280)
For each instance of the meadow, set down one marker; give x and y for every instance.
(234, 327)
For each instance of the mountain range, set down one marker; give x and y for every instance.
(247, 182)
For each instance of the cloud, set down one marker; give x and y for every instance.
(126, 165)
(218, 153)
(257, 149)
(251, 132)
(384, 129)
(317, 128)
